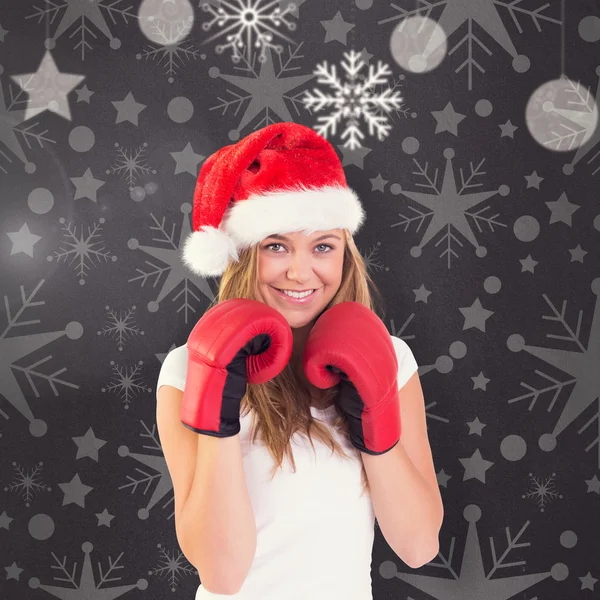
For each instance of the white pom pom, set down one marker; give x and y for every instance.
(207, 252)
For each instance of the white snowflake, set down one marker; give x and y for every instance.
(354, 100)
(247, 24)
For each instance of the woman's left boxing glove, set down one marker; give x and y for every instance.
(350, 345)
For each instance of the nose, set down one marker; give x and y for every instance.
(299, 268)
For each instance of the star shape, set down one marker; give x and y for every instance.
(5, 521)
(482, 12)
(266, 91)
(508, 129)
(337, 29)
(593, 486)
(475, 426)
(450, 205)
(562, 209)
(23, 240)
(87, 185)
(354, 157)
(75, 491)
(475, 315)
(77, 10)
(480, 382)
(128, 109)
(577, 253)
(588, 582)
(47, 88)
(88, 445)
(421, 294)
(104, 518)
(13, 572)
(365, 56)
(443, 478)
(378, 183)
(187, 160)
(528, 264)
(475, 466)
(84, 94)
(447, 119)
(534, 180)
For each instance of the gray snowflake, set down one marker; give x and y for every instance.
(120, 326)
(26, 483)
(82, 250)
(131, 164)
(173, 566)
(171, 48)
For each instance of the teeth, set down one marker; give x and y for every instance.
(296, 294)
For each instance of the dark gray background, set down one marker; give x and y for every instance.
(94, 294)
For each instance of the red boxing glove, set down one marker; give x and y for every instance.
(350, 345)
(236, 342)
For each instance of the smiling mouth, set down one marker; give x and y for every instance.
(314, 291)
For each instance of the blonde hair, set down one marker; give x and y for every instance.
(282, 405)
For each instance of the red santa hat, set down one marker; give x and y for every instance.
(282, 178)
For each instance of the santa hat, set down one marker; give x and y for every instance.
(282, 178)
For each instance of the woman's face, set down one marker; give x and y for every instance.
(298, 262)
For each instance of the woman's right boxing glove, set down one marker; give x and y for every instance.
(238, 341)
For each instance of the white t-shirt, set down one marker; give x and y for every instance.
(314, 529)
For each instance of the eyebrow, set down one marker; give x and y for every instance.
(323, 237)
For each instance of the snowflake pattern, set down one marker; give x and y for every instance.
(13, 117)
(371, 260)
(247, 25)
(448, 205)
(168, 251)
(173, 566)
(172, 47)
(269, 76)
(483, 13)
(475, 573)
(26, 483)
(131, 164)
(82, 14)
(127, 382)
(90, 585)
(82, 250)
(17, 316)
(581, 363)
(120, 327)
(578, 119)
(543, 491)
(353, 100)
(144, 479)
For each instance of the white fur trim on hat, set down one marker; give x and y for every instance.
(207, 252)
(250, 221)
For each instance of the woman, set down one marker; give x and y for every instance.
(265, 434)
